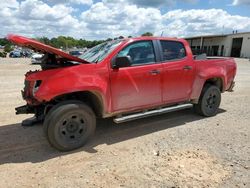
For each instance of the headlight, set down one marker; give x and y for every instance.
(36, 86)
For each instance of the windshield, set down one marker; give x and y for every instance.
(99, 52)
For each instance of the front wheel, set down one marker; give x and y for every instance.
(69, 125)
(209, 101)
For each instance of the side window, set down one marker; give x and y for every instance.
(172, 50)
(140, 52)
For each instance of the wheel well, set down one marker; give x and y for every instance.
(92, 99)
(215, 81)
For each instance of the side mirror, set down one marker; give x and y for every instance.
(123, 61)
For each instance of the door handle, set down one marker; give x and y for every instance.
(187, 67)
(155, 72)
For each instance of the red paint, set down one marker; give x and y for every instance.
(130, 88)
(134, 87)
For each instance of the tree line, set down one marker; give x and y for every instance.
(64, 42)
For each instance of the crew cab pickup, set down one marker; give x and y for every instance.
(125, 79)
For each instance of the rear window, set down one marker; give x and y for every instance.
(172, 50)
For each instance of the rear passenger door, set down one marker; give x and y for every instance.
(178, 72)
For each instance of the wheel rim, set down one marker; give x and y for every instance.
(212, 101)
(72, 128)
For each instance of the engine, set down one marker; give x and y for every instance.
(51, 61)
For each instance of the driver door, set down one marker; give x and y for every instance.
(138, 85)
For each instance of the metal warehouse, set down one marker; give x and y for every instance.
(229, 45)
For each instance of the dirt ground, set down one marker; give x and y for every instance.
(179, 149)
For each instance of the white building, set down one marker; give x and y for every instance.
(230, 45)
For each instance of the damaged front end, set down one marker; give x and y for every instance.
(30, 88)
(25, 109)
(53, 58)
(28, 93)
(38, 112)
(33, 106)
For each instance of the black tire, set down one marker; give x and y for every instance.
(209, 101)
(69, 125)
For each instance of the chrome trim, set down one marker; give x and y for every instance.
(151, 113)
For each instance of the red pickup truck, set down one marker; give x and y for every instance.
(125, 79)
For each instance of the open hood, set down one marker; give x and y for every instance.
(40, 47)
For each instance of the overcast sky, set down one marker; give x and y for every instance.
(91, 19)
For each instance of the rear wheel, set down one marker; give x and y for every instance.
(69, 125)
(209, 101)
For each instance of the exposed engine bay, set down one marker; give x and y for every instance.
(51, 61)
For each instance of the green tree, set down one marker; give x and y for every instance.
(66, 42)
(4, 41)
(44, 40)
(8, 48)
(147, 34)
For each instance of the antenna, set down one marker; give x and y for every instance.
(162, 33)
